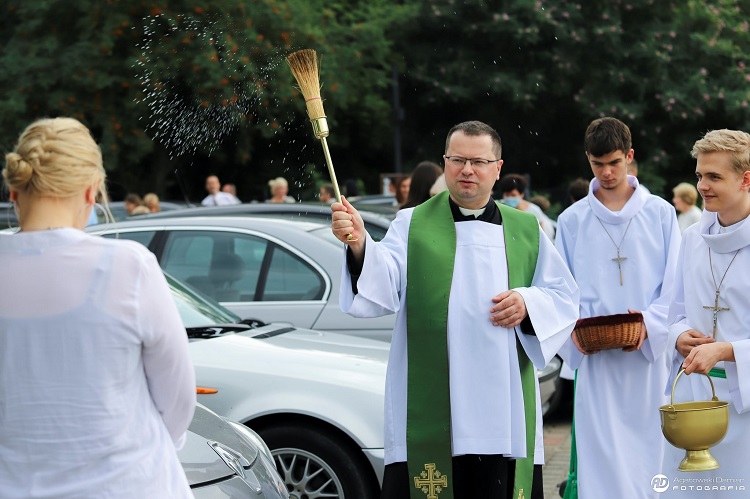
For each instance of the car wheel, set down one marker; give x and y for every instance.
(315, 465)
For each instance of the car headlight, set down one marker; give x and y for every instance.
(254, 439)
(266, 458)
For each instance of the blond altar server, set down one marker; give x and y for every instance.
(478, 290)
(621, 244)
(710, 330)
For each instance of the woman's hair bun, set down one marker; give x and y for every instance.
(18, 172)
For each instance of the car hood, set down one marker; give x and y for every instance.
(199, 460)
(283, 348)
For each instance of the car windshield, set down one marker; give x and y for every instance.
(196, 310)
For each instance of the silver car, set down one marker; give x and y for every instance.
(315, 398)
(271, 269)
(267, 268)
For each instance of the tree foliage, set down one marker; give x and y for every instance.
(542, 71)
(193, 86)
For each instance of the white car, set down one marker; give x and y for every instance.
(315, 398)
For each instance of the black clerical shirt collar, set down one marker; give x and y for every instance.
(491, 213)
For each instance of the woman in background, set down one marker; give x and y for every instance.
(96, 384)
(422, 179)
(684, 201)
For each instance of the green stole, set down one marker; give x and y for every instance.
(430, 260)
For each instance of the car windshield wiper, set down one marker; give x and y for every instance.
(214, 330)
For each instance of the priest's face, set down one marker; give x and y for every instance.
(470, 183)
(723, 189)
(611, 170)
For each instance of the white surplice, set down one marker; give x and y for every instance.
(694, 290)
(618, 394)
(487, 415)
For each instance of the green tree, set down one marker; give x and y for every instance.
(192, 85)
(542, 71)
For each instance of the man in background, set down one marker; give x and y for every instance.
(215, 196)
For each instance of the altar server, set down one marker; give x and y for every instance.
(710, 330)
(621, 244)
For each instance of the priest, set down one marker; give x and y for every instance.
(621, 244)
(481, 302)
(710, 324)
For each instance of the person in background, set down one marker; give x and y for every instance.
(403, 190)
(541, 201)
(350, 188)
(327, 194)
(684, 200)
(230, 189)
(422, 179)
(578, 189)
(97, 388)
(621, 245)
(633, 171)
(513, 189)
(460, 383)
(709, 332)
(140, 210)
(439, 186)
(279, 190)
(133, 201)
(151, 201)
(215, 196)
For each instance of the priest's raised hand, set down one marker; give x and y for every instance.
(348, 227)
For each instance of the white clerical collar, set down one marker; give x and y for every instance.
(469, 213)
(631, 208)
(724, 239)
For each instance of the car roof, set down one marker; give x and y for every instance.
(299, 209)
(241, 222)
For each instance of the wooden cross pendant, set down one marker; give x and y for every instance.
(716, 309)
(619, 261)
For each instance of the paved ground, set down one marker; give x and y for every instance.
(556, 453)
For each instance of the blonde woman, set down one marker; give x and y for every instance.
(96, 385)
(279, 191)
(684, 201)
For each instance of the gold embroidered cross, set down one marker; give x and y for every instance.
(716, 309)
(431, 481)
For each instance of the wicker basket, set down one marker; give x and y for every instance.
(609, 331)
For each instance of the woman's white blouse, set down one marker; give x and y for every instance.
(96, 384)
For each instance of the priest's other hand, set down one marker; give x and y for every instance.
(574, 338)
(510, 310)
(691, 339)
(345, 220)
(704, 357)
(641, 338)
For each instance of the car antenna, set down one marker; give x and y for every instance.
(182, 187)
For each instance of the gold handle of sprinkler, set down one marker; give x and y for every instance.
(320, 130)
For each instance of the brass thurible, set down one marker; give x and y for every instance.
(695, 427)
